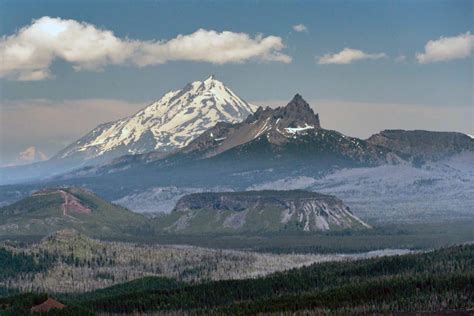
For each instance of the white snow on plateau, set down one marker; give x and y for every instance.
(165, 125)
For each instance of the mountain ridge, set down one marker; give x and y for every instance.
(278, 123)
(271, 142)
(422, 145)
(294, 127)
(291, 125)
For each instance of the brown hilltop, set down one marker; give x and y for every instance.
(71, 203)
(47, 305)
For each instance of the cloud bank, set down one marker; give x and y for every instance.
(29, 53)
(447, 48)
(347, 56)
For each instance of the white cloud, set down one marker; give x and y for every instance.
(29, 53)
(213, 47)
(347, 56)
(300, 28)
(447, 48)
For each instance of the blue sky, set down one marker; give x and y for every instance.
(392, 28)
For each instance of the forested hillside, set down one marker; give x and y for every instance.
(68, 261)
(441, 280)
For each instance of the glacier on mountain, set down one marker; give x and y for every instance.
(165, 125)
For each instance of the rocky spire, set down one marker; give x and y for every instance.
(298, 110)
(296, 113)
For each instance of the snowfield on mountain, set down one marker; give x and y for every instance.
(165, 125)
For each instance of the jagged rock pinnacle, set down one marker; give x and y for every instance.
(299, 110)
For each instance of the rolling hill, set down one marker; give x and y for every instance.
(53, 209)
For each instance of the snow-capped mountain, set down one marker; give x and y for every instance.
(283, 139)
(29, 155)
(165, 125)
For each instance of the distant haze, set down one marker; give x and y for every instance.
(50, 126)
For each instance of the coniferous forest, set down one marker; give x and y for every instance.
(441, 280)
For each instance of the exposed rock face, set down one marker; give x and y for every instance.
(291, 132)
(296, 113)
(47, 305)
(71, 203)
(277, 125)
(423, 145)
(277, 210)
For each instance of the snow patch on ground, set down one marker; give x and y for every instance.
(396, 193)
(159, 199)
(402, 193)
(155, 200)
(285, 184)
(296, 130)
(391, 193)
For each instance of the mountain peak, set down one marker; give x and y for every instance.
(277, 125)
(298, 99)
(206, 84)
(211, 78)
(299, 103)
(298, 113)
(165, 125)
(29, 155)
